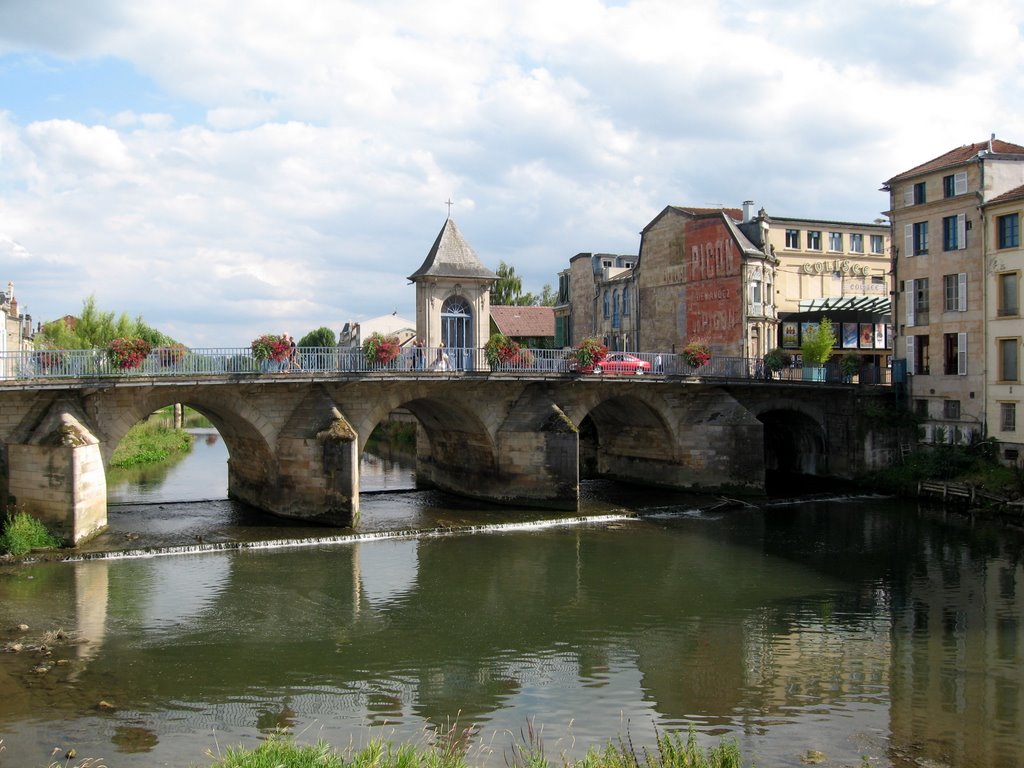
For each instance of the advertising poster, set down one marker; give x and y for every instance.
(807, 328)
(790, 336)
(849, 335)
(880, 336)
(867, 336)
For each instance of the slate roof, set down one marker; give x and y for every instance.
(524, 321)
(959, 156)
(452, 256)
(1014, 194)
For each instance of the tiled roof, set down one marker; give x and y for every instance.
(1013, 194)
(523, 322)
(733, 213)
(452, 256)
(959, 156)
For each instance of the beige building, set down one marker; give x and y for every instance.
(1004, 264)
(597, 297)
(939, 250)
(841, 270)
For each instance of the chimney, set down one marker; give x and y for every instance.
(993, 138)
(748, 207)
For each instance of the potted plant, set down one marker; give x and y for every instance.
(379, 350)
(588, 354)
(500, 349)
(127, 353)
(696, 353)
(270, 348)
(849, 365)
(171, 355)
(775, 360)
(816, 348)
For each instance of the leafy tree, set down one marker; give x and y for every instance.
(816, 346)
(508, 288)
(548, 298)
(321, 337)
(94, 329)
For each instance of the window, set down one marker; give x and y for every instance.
(1008, 417)
(1008, 303)
(955, 289)
(615, 308)
(921, 408)
(1008, 367)
(954, 354)
(835, 241)
(951, 409)
(918, 360)
(877, 244)
(1008, 230)
(917, 301)
(857, 243)
(954, 184)
(917, 235)
(792, 238)
(919, 194)
(607, 308)
(625, 302)
(813, 240)
(954, 232)
(755, 297)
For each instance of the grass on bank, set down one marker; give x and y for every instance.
(22, 533)
(148, 442)
(671, 751)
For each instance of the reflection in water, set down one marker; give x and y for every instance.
(856, 628)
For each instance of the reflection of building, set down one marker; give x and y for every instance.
(708, 275)
(1004, 264)
(939, 235)
(597, 297)
(453, 298)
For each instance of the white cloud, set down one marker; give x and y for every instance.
(288, 166)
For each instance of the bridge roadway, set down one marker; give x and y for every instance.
(521, 438)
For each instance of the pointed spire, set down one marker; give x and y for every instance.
(452, 256)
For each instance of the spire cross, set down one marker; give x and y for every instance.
(449, 204)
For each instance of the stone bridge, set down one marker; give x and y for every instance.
(294, 442)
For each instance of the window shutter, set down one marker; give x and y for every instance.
(910, 355)
(911, 296)
(908, 240)
(960, 183)
(961, 292)
(961, 354)
(908, 195)
(961, 231)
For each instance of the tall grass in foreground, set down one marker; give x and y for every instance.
(671, 751)
(22, 533)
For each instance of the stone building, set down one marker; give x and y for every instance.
(708, 275)
(839, 270)
(1004, 264)
(453, 299)
(17, 333)
(597, 298)
(940, 228)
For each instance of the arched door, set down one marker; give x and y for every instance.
(457, 331)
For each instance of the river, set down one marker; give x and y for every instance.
(824, 630)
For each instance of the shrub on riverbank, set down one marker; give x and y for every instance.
(672, 751)
(22, 533)
(148, 442)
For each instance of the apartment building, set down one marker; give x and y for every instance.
(1004, 259)
(939, 231)
(597, 297)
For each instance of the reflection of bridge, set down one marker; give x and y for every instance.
(294, 441)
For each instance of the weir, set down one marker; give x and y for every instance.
(294, 442)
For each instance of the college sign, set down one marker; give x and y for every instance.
(836, 265)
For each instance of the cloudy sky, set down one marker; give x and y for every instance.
(227, 169)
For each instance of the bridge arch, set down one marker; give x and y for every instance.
(795, 441)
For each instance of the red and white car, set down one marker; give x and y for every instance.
(617, 362)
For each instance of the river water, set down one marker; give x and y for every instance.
(817, 630)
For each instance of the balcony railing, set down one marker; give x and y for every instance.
(219, 361)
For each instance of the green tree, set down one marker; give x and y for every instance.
(816, 346)
(94, 329)
(321, 337)
(507, 290)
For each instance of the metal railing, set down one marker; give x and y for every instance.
(219, 361)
